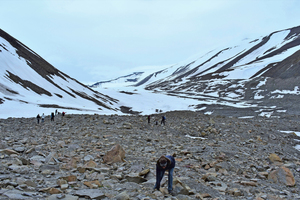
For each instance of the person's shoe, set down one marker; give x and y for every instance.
(171, 192)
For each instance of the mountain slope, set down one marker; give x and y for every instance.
(123, 81)
(249, 75)
(26, 78)
(246, 59)
(255, 77)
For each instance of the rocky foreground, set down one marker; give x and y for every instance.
(75, 157)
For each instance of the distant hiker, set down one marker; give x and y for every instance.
(156, 122)
(63, 114)
(56, 112)
(43, 117)
(38, 117)
(148, 119)
(165, 163)
(52, 116)
(163, 120)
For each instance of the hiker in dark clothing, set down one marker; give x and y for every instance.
(165, 163)
(163, 120)
(148, 119)
(52, 116)
(38, 117)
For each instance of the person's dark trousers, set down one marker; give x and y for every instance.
(160, 175)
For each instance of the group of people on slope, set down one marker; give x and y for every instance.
(163, 120)
(38, 117)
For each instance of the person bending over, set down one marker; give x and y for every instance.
(165, 163)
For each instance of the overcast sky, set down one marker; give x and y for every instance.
(96, 40)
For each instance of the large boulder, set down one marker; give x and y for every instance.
(114, 155)
(282, 175)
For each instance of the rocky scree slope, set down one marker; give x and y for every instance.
(217, 157)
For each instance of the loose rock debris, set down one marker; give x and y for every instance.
(114, 157)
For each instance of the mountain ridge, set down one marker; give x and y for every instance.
(26, 75)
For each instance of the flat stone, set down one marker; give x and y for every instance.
(249, 183)
(92, 193)
(65, 197)
(17, 194)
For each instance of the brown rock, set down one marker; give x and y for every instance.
(92, 184)
(144, 172)
(283, 176)
(71, 178)
(115, 154)
(178, 159)
(54, 191)
(61, 182)
(235, 192)
(81, 169)
(9, 152)
(249, 183)
(259, 198)
(223, 171)
(209, 177)
(269, 197)
(207, 166)
(198, 196)
(72, 163)
(264, 174)
(274, 158)
(259, 139)
(90, 164)
(205, 195)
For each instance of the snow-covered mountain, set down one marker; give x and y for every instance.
(253, 77)
(259, 76)
(30, 85)
(122, 81)
(247, 60)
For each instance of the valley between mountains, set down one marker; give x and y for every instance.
(232, 122)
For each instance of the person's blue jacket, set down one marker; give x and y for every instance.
(161, 171)
(170, 164)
